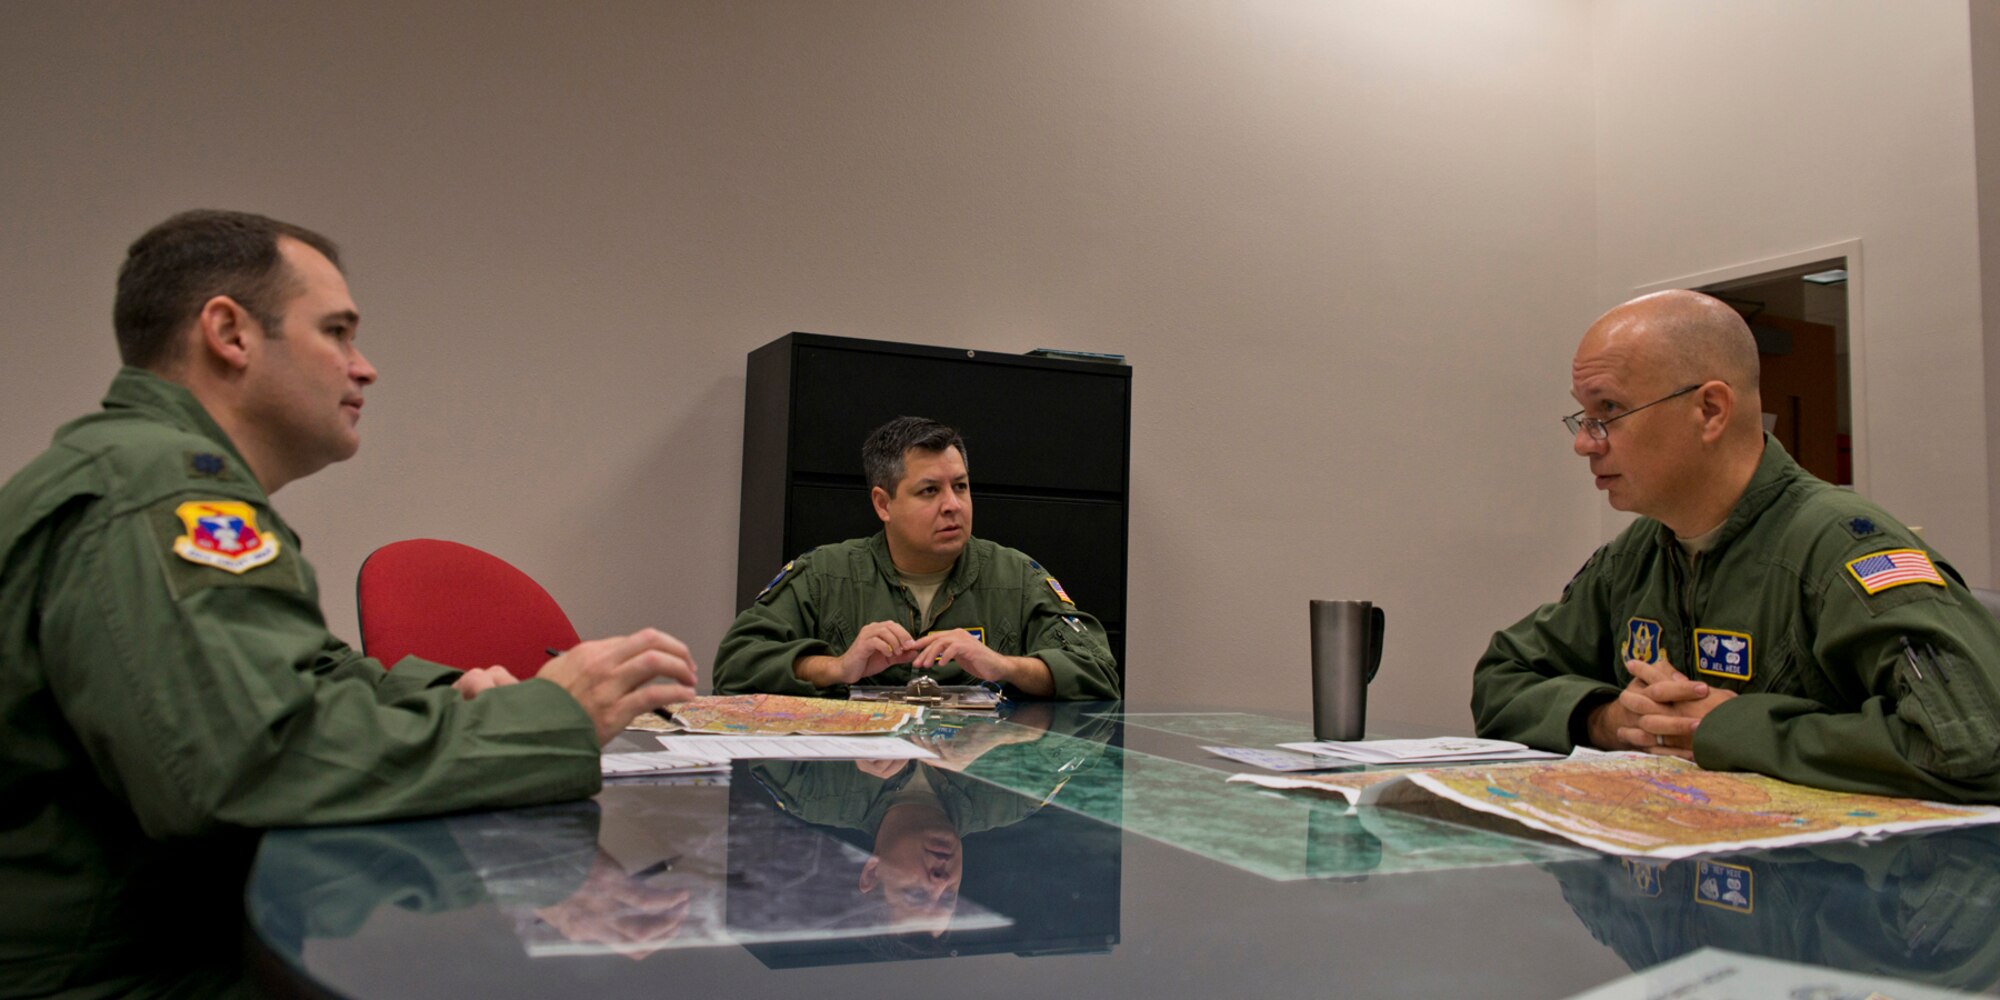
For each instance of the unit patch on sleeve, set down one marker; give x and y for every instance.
(1722, 653)
(782, 570)
(1057, 587)
(223, 534)
(1730, 887)
(1642, 640)
(1880, 571)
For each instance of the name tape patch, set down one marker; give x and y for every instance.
(1722, 653)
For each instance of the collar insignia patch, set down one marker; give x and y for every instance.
(223, 534)
(1722, 653)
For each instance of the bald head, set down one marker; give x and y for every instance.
(1683, 367)
(1685, 337)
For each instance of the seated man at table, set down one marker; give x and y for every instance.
(920, 596)
(167, 682)
(1754, 618)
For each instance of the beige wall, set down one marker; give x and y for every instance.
(1347, 246)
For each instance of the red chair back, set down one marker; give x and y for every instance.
(455, 605)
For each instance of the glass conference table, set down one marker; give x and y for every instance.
(1072, 850)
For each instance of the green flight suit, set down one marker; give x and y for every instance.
(1828, 694)
(823, 598)
(158, 711)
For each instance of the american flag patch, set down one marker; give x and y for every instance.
(1894, 568)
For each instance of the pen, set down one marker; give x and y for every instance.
(1936, 659)
(1912, 654)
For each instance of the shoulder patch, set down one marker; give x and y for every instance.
(783, 572)
(1573, 577)
(1057, 587)
(222, 534)
(1861, 527)
(1879, 571)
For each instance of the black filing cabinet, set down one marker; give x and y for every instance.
(1048, 444)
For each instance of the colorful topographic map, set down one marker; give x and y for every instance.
(778, 714)
(1652, 806)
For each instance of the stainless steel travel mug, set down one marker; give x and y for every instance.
(1346, 652)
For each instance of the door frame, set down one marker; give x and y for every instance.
(1857, 340)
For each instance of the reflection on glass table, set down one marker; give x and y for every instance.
(1914, 907)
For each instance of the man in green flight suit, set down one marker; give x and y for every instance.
(922, 595)
(1754, 618)
(167, 682)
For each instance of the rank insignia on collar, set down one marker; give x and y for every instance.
(223, 534)
(1057, 587)
(1729, 887)
(1642, 640)
(1879, 571)
(1722, 653)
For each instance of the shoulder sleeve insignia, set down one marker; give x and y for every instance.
(780, 578)
(222, 534)
(1880, 571)
(1861, 527)
(1057, 587)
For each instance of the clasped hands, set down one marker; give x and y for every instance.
(1657, 712)
(881, 645)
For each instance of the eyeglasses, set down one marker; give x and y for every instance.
(1599, 428)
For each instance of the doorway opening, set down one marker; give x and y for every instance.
(1804, 310)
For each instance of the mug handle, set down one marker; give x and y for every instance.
(1375, 624)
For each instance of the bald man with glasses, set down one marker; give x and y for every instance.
(1754, 618)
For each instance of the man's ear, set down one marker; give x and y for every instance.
(224, 331)
(869, 879)
(880, 498)
(1717, 405)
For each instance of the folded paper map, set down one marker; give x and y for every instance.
(778, 714)
(1648, 806)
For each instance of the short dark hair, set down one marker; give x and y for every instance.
(882, 455)
(180, 264)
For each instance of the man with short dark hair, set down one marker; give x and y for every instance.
(922, 596)
(1754, 618)
(167, 682)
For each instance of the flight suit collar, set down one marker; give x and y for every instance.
(964, 572)
(136, 389)
(1775, 471)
